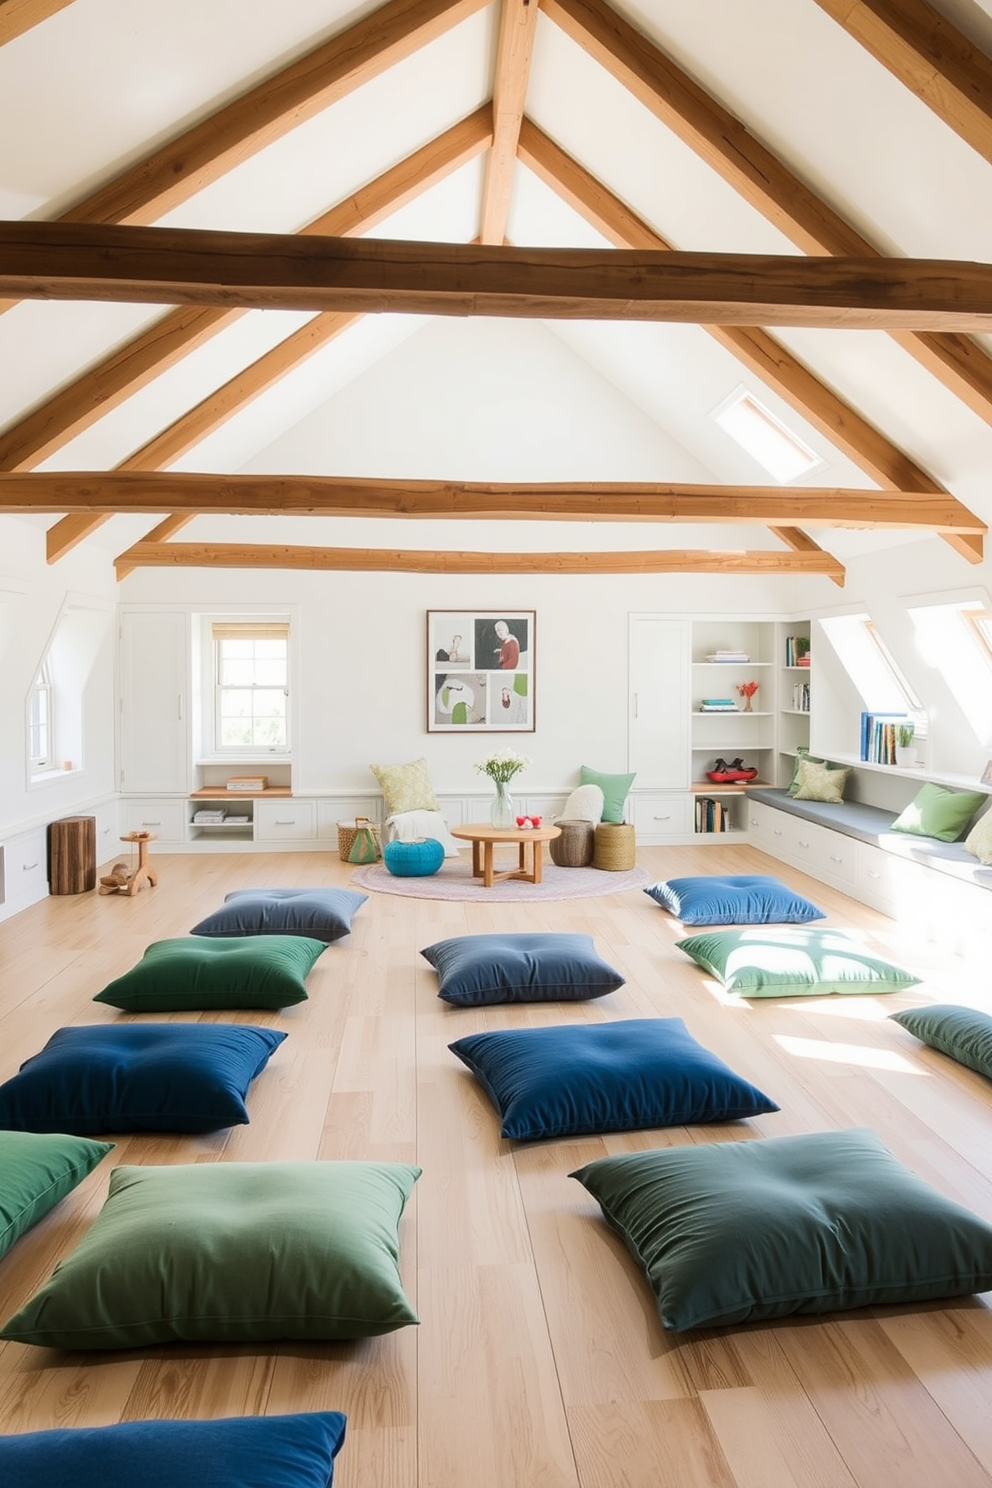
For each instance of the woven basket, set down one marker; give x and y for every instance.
(348, 831)
(574, 848)
(614, 849)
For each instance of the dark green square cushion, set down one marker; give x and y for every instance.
(230, 1253)
(961, 1032)
(35, 1172)
(615, 788)
(237, 1452)
(792, 962)
(739, 1231)
(940, 813)
(194, 973)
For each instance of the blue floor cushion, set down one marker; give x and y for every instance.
(475, 970)
(190, 974)
(740, 899)
(36, 1171)
(793, 963)
(601, 1077)
(128, 1077)
(231, 1252)
(416, 859)
(238, 1452)
(321, 914)
(733, 1232)
(961, 1032)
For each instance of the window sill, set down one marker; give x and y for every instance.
(45, 777)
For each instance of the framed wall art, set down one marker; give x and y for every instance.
(480, 671)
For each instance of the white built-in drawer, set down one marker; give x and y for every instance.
(26, 865)
(660, 815)
(291, 820)
(164, 817)
(839, 858)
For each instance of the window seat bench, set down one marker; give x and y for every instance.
(872, 826)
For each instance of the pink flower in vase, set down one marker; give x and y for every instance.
(747, 691)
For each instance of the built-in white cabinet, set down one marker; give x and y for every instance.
(164, 817)
(154, 694)
(23, 870)
(658, 730)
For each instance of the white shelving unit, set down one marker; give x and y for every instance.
(745, 734)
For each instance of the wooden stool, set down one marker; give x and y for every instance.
(614, 848)
(574, 848)
(72, 855)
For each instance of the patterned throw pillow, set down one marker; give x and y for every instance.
(979, 839)
(406, 787)
(818, 782)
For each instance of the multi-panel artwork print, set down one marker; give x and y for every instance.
(480, 671)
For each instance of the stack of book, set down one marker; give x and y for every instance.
(208, 817)
(800, 697)
(711, 815)
(878, 737)
(726, 656)
(718, 705)
(795, 656)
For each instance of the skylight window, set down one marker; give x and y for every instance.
(879, 680)
(765, 438)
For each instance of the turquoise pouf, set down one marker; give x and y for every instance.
(413, 859)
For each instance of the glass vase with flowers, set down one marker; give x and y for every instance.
(501, 766)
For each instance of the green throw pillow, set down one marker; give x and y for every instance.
(244, 971)
(962, 1032)
(979, 839)
(792, 962)
(230, 1253)
(35, 1172)
(940, 813)
(615, 789)
(732, 1232)
(820, 782)
(801, 754)
(406, 787)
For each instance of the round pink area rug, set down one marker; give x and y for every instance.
(454, 880)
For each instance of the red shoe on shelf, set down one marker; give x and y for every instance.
(739, 771)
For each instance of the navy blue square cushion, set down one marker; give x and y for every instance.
(239, 1452)
(321, 914)
(478, 969)
(175, 1077)
(601, 1077)
(740, 899)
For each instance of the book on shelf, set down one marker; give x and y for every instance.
(711, 815)
(728, 656)
(878, 737)
(800, 697)
(248, 783)
(797, 651)
(207, 818)
(718, 705)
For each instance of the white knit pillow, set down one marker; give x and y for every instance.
(584, 804)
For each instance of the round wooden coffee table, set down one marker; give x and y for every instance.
(483, 837)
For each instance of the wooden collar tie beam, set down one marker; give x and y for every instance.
(153, 265)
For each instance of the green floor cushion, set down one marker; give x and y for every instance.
(937, 812)
(734, 1232)
(191, 974)
(792, 962)
(175, 1077)
(317, 914)
(733, 899)
(36, 1170)
(961, 1032)
(474, 970)
(230, 1253)
(601, 1077)
(238, 1452)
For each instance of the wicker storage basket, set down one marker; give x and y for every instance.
(614, 849)
(574, 848)
(348, 831)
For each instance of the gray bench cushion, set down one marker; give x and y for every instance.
(872, 825)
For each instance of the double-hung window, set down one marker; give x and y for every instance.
(251, 686)
(41, 738)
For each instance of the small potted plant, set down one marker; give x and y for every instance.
(905, 748)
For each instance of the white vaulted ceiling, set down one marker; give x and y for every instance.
(94, 88)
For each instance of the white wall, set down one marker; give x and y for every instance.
(32, 597)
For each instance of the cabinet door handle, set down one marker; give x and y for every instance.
(635, 704)
(777, 831)
(873, 874)
(835, 859)
(27, 867)
(179, 706)
(802, 843)
(282, 822)
(151, 823)
(664, 818)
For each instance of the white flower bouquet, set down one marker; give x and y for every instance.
(502, 765)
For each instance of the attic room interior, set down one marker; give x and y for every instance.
(591, 397)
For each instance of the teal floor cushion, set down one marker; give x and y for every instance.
(962, 1033)
(413, 859)
(734, 1232)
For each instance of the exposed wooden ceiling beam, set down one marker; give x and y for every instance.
(45, 260)
(136, 489)
(518, 22)
(159, 534)
(761, 178)
(801, 542)
(930, 56)
(18, 16)
(391, 560)
(131, 367)
(184, 432)
(877, 456)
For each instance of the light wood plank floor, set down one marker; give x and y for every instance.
(540, 1361)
